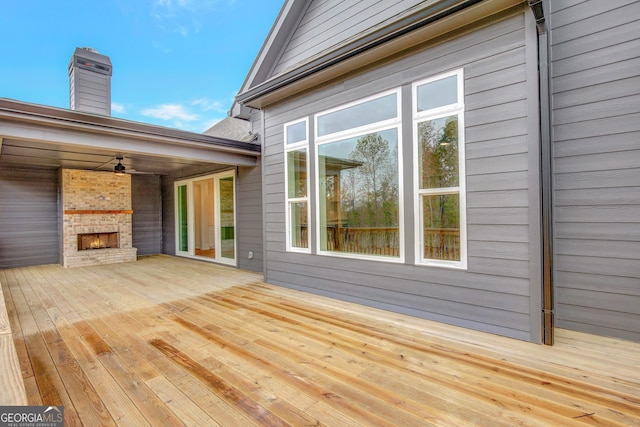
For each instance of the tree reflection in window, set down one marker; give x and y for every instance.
(438, 151)
(359, 188)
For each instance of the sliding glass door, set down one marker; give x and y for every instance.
(205, 218)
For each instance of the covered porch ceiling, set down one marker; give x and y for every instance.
(46, 137)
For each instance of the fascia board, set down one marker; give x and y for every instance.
(41, 132)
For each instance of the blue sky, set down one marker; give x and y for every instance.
(176, 63)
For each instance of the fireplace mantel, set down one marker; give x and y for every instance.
(97, 211)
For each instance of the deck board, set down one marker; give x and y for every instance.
(170, 341)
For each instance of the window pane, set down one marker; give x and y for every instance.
(299, 228)
(227, 218)
(183, 214)
(441, 233)
(373, 111)
(359, 198)
(297, 173)
(438, 153)
(296, 132)
(438, 93)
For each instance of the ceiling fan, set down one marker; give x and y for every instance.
(120, 169)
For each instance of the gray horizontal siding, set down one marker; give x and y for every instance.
(494, 294)
(29, 226)
(90, 92)
(146, 221)
(328, 23)
(596, 126)
(249, 219)
(168, 216)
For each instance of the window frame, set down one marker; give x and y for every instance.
(393, 123)
(456, 109)
(290, 201)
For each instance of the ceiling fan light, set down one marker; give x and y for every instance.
(119, 168)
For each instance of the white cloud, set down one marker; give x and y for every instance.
(206, 104)
(181, 16)
(118, 108)
(170, 112)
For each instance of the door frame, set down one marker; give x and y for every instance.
(189, 183)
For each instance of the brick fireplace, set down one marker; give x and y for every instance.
(96, 226)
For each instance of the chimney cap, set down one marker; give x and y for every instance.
(90, 49)
(89, 59)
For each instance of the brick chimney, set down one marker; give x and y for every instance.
(90, 82)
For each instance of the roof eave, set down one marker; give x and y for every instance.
(19, 111)
(441, 17)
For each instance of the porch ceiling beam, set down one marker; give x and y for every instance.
(121, 141)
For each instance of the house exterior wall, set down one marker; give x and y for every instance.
(249, 219)
(595, 85)
(146, 201)
(323, 20)
(168, 216)
(29, 220)
(499, 292)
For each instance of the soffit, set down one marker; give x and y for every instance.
(47, 137)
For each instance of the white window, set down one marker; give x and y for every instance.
(296, 147)
(439, 172)
(359, 187)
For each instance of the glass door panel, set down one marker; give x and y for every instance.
(182, 219)
(205, 218)
(227, 218)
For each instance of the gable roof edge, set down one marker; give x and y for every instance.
(280, 33)
(252, 95)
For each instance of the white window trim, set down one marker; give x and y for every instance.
(289, 201)
(436, 113)
(362, 130)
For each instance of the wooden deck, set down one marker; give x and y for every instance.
(167, 341)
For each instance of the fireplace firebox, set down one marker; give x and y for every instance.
(90, 241)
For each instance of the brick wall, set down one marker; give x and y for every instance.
(98, 192)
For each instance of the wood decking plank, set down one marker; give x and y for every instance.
(263, 350)
(185, 409)
(115, 392)
(249, 370)
(234, 351)
(221, 388)
(265, 378)
(31, 389)
(87, 403)
(479, 370)
(12, 391)
(526, 385)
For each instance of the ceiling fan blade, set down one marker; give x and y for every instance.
(137, 172)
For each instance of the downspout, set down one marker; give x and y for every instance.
(264, 205)
(545, 170)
